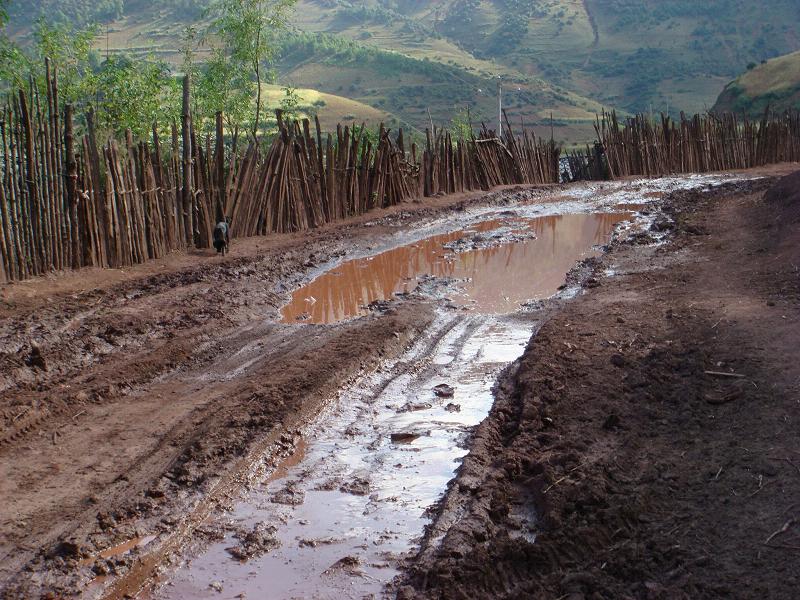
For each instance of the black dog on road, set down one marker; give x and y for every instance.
(222, 236)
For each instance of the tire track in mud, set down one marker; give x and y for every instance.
(347, 456)
(224, 421)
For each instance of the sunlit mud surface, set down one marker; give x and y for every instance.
(355, 500)
(335, 519)
(496, 265)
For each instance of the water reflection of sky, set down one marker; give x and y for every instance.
(498, 278)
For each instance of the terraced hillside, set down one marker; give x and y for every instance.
(774, 84)
(417, 60)
(625, 53)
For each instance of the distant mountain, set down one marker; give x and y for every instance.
(774, 84)
(565, 57)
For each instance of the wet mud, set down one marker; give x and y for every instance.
(351, 504)
(355, 500)
(139, 407)
(645, 445)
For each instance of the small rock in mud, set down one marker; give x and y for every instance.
(35, 359)
(641, 238)
(379, 305)
(435, 287)
(328, 485)
(695, 230)
(348, 564)
(304, 543)
(415, 406)
(214, 533)
(216, 586)
(290, 495)
(444, 391)
(253, 544)
(404, 438)
(611, 422)
(661, 224)
(453, 407)
(358, 487)
(67, 549)
(618, 360)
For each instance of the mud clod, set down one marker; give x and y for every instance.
(444, 391)
(254, 543)
(35, 358)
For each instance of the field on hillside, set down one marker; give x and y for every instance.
(330, 108)
(774, 84)
(418, 60)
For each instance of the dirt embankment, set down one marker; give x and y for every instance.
(650, 430)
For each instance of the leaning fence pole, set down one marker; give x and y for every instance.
(220, 168)
(186, 193)
(72, 186)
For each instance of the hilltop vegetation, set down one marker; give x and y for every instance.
(568, 57)
(773, 84)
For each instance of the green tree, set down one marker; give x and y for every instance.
(134, 94)
(68, 49)
(13, 63)
(248, 30)
(218, 87)
(461, 124)
(290, 103)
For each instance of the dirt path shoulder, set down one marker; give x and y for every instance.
(647, 444)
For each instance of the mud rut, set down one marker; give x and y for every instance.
(337, 518)
(332, 507)
(341, 518)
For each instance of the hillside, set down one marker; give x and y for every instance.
(565, 57)
(623, 53)
(774, 84)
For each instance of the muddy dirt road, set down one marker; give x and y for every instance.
(175, 412)
(650, 429)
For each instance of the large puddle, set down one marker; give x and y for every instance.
(496, 264)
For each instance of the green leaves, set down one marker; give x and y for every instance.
(68, 49)
(135, 94)
(246, 33)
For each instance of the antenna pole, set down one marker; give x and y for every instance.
(499, 107)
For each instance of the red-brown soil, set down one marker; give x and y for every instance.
(135, 402)
(651, 428)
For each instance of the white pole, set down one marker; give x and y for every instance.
(499, 107)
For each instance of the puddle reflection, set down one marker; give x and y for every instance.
(495, 279)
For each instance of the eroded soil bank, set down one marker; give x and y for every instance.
(650, 429)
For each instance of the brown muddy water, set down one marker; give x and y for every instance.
(336, 519)
(497, 265)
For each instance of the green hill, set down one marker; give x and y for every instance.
(565, 57)
(774, 84)
(622, 53)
